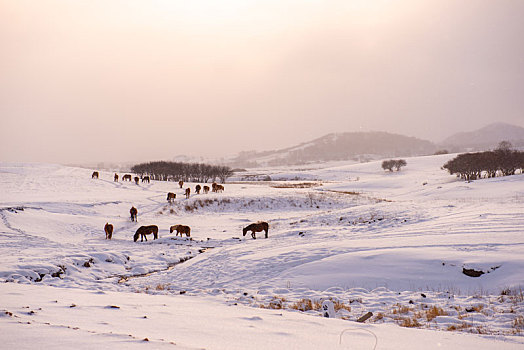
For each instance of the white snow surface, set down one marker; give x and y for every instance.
(394, 244)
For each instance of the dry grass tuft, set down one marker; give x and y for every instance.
(340, 306)
(400, 310)
(161, 286)
(459, 327)
(303, 305)
(409, 322)
(433, 312)
(298, 185)
(276, 303)
(379, 316)
(518, 324)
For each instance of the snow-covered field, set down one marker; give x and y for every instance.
(394, 244)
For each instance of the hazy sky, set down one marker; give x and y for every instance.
(113, 80)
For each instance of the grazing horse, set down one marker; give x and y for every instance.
(214, 187)
(197, 189)
(126, 177)
(180, 183)
(116, 177)
(109, 230)
(146, 230)
(134, 212)
(256, 227)
(188, 192)
(137, 179)
(206, 189)
(181, 229)
(219, 188)
(94, 175)
(171, 197)
(145, 179)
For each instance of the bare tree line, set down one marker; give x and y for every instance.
(501, 162)
(178, 171)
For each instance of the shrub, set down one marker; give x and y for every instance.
(472, 166)
(393, 163)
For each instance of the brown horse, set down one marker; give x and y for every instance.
(116, 177)
(206, 189)
(219, 188)
(137, 179)
(146, 230)
(197, 189)
(214, 187)
(188, 192)
(180, 229)
(126, 177)
(94, 175)
(171, 197)
(256, 227)
(134, 212)
(109, 230)
(146, 179)
(180, 183)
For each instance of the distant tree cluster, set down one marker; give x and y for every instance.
(393, 163)
(501, 162)
(176, 171)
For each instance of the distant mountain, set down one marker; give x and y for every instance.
(485, 138)
(358, 146)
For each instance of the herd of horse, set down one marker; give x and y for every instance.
(170, 196)
(143, 231)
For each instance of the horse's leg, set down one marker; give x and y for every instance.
(266, 233)
(253, 234)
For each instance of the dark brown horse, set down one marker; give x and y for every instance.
(171, 197)
(214, 187)
(197, 189)
(188, 192)
(146, 230)
(180, 183)
(116, 177)
(126, 177)
(146, 179)
(256, 227)
(94, 175)
(206, 189)
(137, 179)
(109, 230)
(219, 188)
(180, 229)
(134, 212)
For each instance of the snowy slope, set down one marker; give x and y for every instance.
(394, 244)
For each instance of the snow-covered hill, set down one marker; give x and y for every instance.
(340, 146)
(486, 138)
(395, 244)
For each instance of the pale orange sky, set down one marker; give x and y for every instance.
(85, 81)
